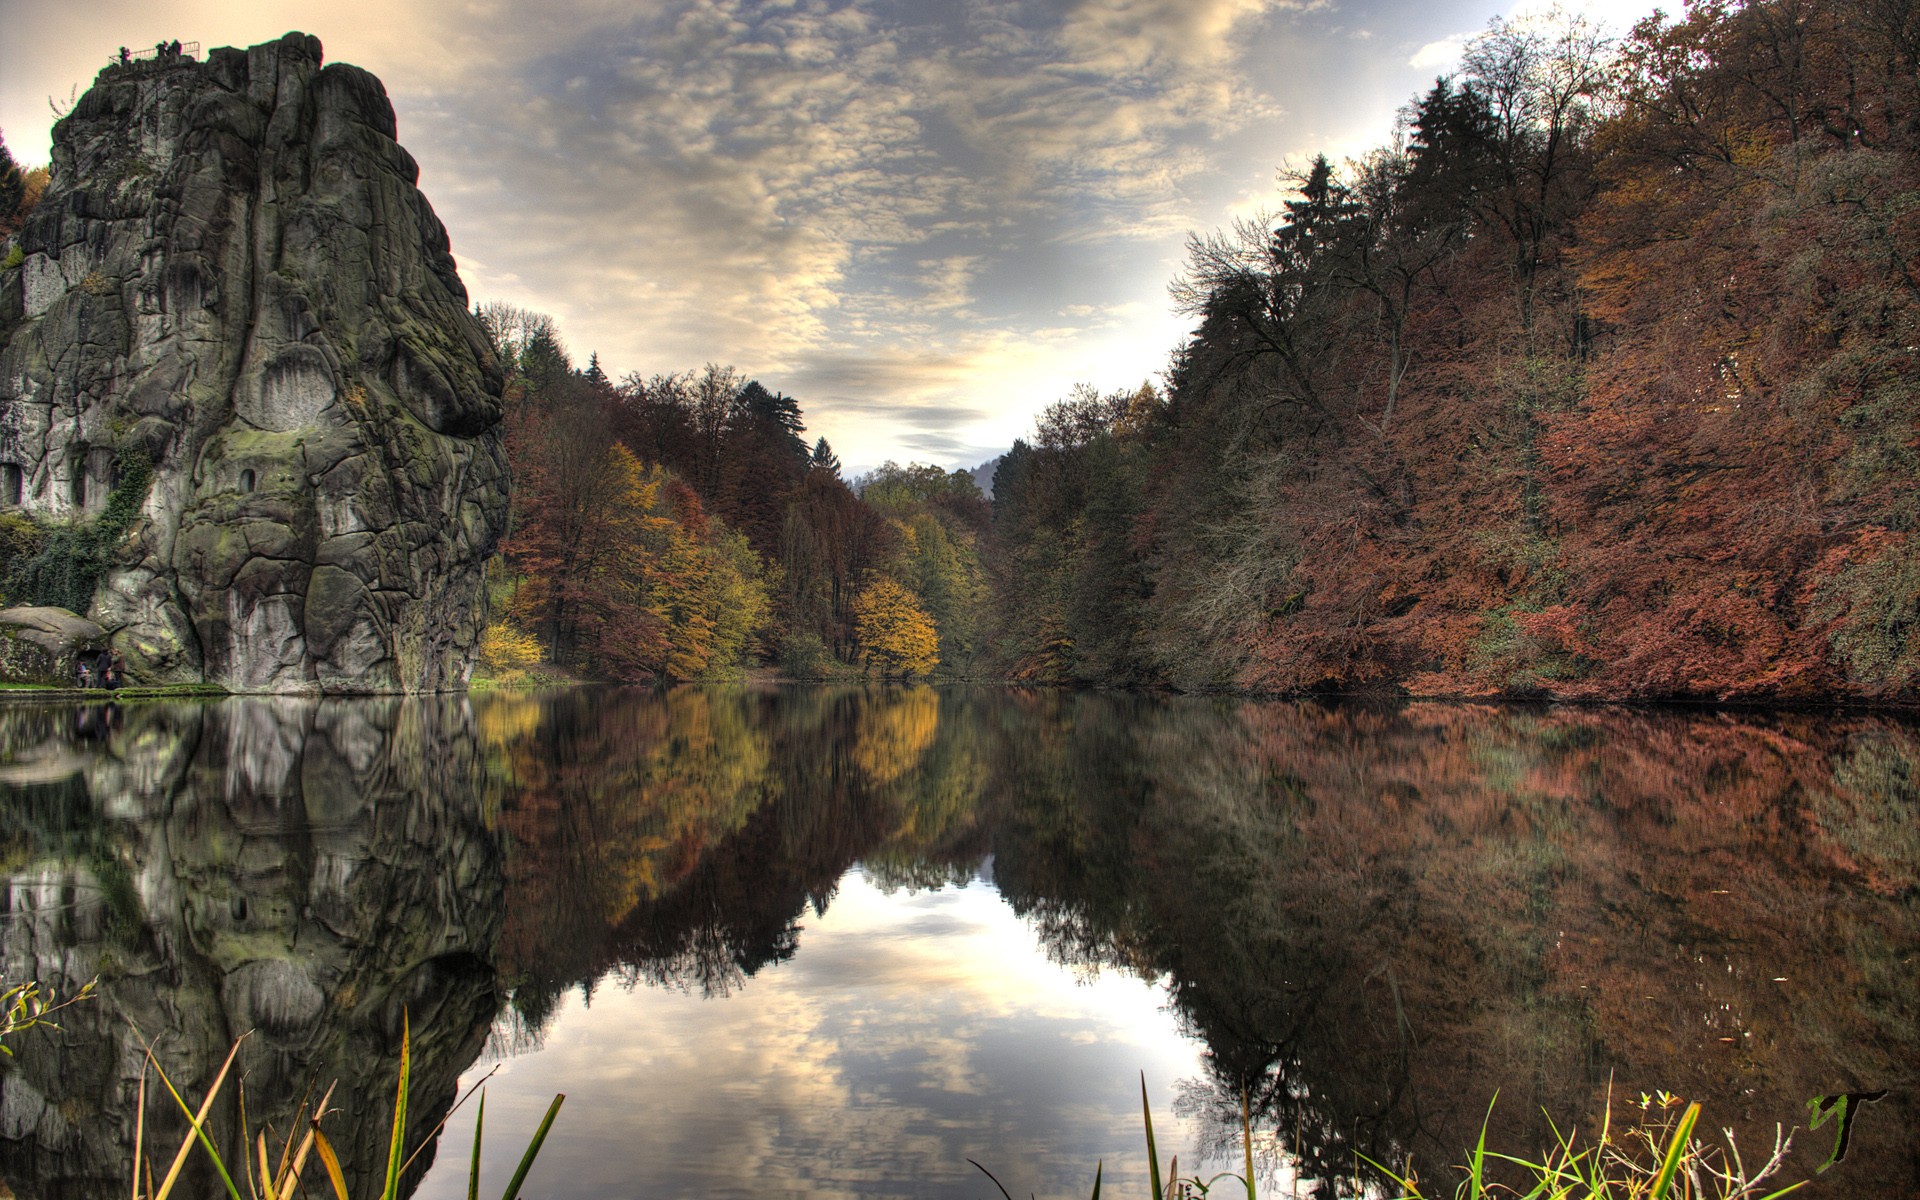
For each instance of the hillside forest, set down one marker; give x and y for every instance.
(1597, 380)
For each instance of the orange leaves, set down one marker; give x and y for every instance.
(623, 574)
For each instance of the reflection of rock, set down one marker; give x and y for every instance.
(233, 276)
(301, 871)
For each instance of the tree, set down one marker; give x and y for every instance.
(19, 191)
(13, 190)
(896, 635)
(763, 461)
(824, 459)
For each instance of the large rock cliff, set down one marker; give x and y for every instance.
(233, 277)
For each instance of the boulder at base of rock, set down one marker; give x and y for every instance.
(232, 278)
(44, 645)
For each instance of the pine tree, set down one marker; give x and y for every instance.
(824, 459)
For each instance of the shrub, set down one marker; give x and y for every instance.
(71, 559)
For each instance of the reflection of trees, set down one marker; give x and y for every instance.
(301, 871)
(1379, 918)
(677, 838)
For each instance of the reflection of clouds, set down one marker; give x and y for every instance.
(911, 1032)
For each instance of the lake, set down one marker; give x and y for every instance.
(838, 941)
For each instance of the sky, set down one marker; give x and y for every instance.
(923, 219)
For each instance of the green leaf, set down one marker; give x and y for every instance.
(1676, 1150)
(1153, 1155)
(533, 1149)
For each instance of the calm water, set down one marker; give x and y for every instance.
(818, 942)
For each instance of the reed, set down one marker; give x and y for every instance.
(271, 1177)
(1655, 1156)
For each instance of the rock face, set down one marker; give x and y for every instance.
(233, 276)
(45, 645)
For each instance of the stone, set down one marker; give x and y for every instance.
(233, 275)
(44, 645)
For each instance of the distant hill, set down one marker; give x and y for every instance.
(983, 474)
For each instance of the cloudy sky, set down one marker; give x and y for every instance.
(925, 219)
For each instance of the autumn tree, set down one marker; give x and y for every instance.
(896, 636)
(939, 518)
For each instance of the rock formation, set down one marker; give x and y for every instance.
(45, 645)
(233, 278)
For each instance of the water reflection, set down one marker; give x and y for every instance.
(1377, 918)
(1373, 918)
(306, 871)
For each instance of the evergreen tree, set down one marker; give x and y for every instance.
(824, 459)
(13, 190)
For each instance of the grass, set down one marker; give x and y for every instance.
(1654, 1156)
(279, 1177)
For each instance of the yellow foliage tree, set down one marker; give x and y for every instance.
(505, 647)
(896, 635)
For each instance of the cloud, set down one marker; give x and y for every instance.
(1441, 56)
(949, 209)
(819, 196)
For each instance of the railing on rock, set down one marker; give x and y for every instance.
(161, 50)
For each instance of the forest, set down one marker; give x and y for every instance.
(1595, 381)
(680, 527)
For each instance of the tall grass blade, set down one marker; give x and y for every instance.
(198, 1123)
(1408, 1189)
(396, 1147)
(246, 1155)
(473, 1168)
(1476, 1168)
(139, 1138)
(1246, 1138)
(286, 1147)
(426, 1141)
(1153, 1155)
(290, 1177)
(996, 1181)
(330, 1161)
(533, 1149)
(1676, 1150)
(1096, 1180)
(266, 1167)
